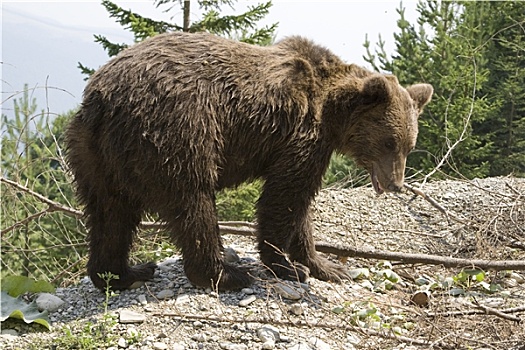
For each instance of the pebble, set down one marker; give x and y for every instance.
(200, 337)
(230, 255)
(300, 346)
(132, 332)
(247, 301)
(9, 332)
(122, 343)
(165, 294)
(268, 335)
(159, 346)
(247, 291)
(142, 299)
(233, 346)
(318, 344)
(128, 316)
(287, 291)
(296, 309)
(49, 302)
(137, 284)
(182, 299)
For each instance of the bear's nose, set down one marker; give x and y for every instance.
(395, 188)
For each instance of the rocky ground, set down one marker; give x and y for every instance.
(485, 219)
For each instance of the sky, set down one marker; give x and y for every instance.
(43, 41)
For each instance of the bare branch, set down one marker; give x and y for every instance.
(409, 258)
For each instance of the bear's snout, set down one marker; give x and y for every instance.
(388, 175)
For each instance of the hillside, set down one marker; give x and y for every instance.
(464, 310)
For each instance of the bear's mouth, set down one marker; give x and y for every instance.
(375, 182)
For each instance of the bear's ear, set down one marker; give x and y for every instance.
(421, 94)
(376, 89)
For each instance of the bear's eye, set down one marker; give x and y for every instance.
(390, 144)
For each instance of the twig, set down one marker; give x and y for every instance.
(480, 312)
(434, 203)
(54, 206)
(24, 221)
(496, 312)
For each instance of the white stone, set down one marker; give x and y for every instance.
(128, 316)
(165, 294)
(318, 344)
(159, 346)
(132, 332)
(247, 291)
(122, 343)
(268, 335)
(287, 291)
(168, 261)
(200, 337)
(9, 332)
(49, 302)
(182, 299)
(142, 299)
(300, 346)
(247, 301)
(268, 345)
(296, 309)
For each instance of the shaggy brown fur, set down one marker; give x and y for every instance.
(172, 120)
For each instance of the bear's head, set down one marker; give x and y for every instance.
(383, 128)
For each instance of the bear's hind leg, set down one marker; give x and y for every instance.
(195, 230)
(112, 221)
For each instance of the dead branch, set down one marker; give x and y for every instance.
(226, 227)
(247, 229)
(496, 312)
(482, 310)
(434, 203)
(409, 258)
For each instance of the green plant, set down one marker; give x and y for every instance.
(91, 335)
(37, 240)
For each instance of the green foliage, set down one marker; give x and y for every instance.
(238, 204)
(242, 27)
(458, 47)
(35, 238)
(17, 308)
(343, 173)
(16, 285)
(466, 282)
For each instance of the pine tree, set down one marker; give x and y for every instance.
(36, 240)
(503, 37)
(444, 51)
(242, 27)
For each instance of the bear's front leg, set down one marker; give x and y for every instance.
(286, 242)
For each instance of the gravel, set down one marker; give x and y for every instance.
(486, 220)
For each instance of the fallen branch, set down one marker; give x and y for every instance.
(248, 229)
(409, 258)
(483, 310)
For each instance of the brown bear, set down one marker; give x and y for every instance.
(170, 121)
